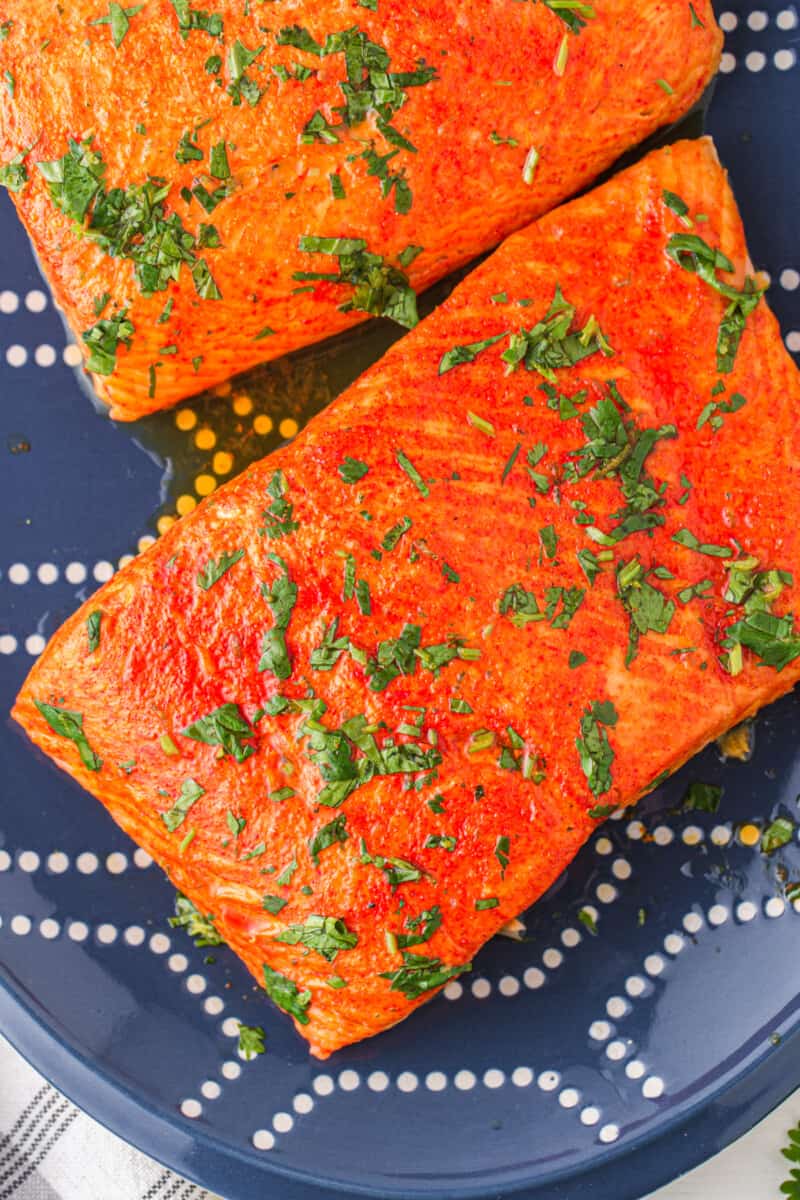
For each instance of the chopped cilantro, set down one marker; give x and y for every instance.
(281, 597)
(378, 288)
(190, 794)
(326, 935)
(420, 974)
(466, 354)
(702, 797)
(594, 749)
(286, 994)
(197, 926)
(213, 571)
(93, 629)
(225, 727)
(328, 835)
(251, 1041)
(776, 835)
(70, 725)
(104, 340)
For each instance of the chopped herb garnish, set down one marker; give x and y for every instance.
(685, 537)
(600, 811)
(93, 629)
(549, 344)
(70, 725)
(286, 994)
(396, 870)
(576, 659)
(326, 935)
(104, 340)
(594, 749)
(352, 469)
(278, 516)
(711, 412)
(420, 974)
(14, 174)
(466, 354)
(502, 853)
(587, 920)
(574, 13)
(776, 835)
(696, 22)
(488, 902)
(281, 597)
(190, 794)
(225, 727)
(213, 571)
(197, 926)
(702, 797)
(392, 536)
(251, 1041)
(379, 288)
(440, 841)
(648, 609)
(328, 835)
(241, 86)
(404, 462)
(285, 877)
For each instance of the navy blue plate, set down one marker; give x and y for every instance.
(648, 1016)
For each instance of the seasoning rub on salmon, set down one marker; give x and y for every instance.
(209, 185)
(525, 567)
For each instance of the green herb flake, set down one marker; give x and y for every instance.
(502, 852)
(251, 1041)
(93, 629)
(404, 462)
(281, 596)
(378, 287)
(328, 835)
(587, 920)
(419, 975)
(226, 727)
(776, 835)
(594, 748)
(286, 994)
(488, 902)
(685, 537)
(69, 725)
(191, 791)
(273, 904)
(466, 354)
(213, 571)
(14, 174)
(702, 797)
(325, 935)
(200, 928)
(576, 659)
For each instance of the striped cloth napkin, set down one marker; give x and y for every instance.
(50, 1150)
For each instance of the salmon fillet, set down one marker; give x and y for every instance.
(368, 701)
(186, 170)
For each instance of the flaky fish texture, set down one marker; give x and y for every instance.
(525, 567)
(177, 166)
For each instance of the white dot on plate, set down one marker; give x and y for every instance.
(435, 1081)
(263, 1139)
(142, 859)
(407, 1081)
(522, 1076)
(508, 986)
(230, 1027)
(616, 1050)
(606, 893)
(87, 863)
(177, 963)
(103, 571)
(47, 572)
(231, 1070)
(36, 301)
(663, 835)
(653, 1087)
(28, 861)
(617, 1006)
(481, 988)
(692, 923)
(674, 943)
(621, 868)
(793, 341)
(784, 60)
(635, 830)
(786, 19)
(600, 1031)
(775, 907)
(134, 935)
(57, 862)
(693, 835)
(302, 1103)
(552, 958)
(106, 934)
(570, 938)
(790, 279)
(634, 1069)
(214, 1005)
(16, 356)
(116, 863)
(350, 1080)
(746, 910)
(717, 914)
(159, 943)
(9, 302)
(609, 1133)
(323, 1085)
(590, 1115)
(755, 60)
(18, 573)
(196, 984)
(44, 355)
(533, 978)
(548, 1081)
(211, 1089)
(453, 990)
(493, 1078)
(72, 355)
(728, 21)
(5, 860)
(20, 925)
(34, 643)
(604, 845)
(569, 1098)
(757, 20)
(78, 931)
(654, 964)
(49, 928)
(282, 1122)
(191, 1108)
(720, 835)
(377, 1081)
(75, 572)
(464, 1080)
(8, 643)
(123, 561)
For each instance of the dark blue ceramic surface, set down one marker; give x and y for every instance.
(580, 1061)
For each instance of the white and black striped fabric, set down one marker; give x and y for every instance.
(50, 1150)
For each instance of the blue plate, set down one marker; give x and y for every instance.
(649, 1016)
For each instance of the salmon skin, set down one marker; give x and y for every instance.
(208, 188)
(368, 701)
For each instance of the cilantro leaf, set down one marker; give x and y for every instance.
(196, 925)
(286, 994)
(69, 725)
(326, 935)
(225, 727)
(420, 974)
(251, 1041)
(213, 571)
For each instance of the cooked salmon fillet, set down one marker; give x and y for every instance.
(186, 170)
(368, 701)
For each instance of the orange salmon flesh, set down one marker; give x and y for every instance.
(367, 702)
